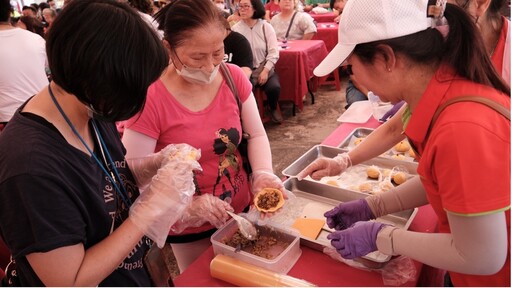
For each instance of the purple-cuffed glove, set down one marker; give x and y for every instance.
(392, 111)
(357, 240)
(346, 214)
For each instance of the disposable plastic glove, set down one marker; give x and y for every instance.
(357, 240)
(264, 179)
(392, 111)
(346, 214)
(202, 209)
(168, 194)
(322, 167)
(144, 168)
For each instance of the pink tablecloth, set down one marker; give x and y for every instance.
(325, 17)
(327, 32)
(320, 269)
(295, 68)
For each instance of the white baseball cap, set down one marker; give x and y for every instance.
(366, 21)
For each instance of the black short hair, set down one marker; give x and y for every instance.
(259, 9)
(93, 54)
(5, 10)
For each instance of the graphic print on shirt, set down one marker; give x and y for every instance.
(225, 146)
(119, 212)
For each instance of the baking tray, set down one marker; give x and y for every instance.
(348, 144)
(311, 155)
(355, 175)
(328, 196)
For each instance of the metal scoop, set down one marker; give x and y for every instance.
(247, 229)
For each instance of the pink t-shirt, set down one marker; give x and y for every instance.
(216, 130)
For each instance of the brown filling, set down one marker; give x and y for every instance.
(268, 200)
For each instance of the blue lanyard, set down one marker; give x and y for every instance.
(120, 189)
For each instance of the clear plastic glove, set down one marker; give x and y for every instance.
(202, 209)
(357, 240)
(144, 168)
(265, 179)
(392, 111)
(326, 167)
(168, 194)
(346, 214)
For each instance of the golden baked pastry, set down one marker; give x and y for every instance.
(358, 140)
(402, 146)
(399, 178)
(385, 186)
(398, 156)
(366, 187)
(373, 172)
(332, 183)
(386, 172)
(269, 200)
(411, 153)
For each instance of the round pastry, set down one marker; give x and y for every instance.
(332, 183)
(269, 200)
(399, 178)
(385, 186)
(402, 146)
(411, 153)
(366, 187)
(373, 172)
(358, 140)
(386, 172)
(398, 156)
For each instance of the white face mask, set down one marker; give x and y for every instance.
(197, 75)
(220, 5)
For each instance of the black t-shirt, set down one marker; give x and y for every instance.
(53, 195)
(237, 50)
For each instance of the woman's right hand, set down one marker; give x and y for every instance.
(326, 167)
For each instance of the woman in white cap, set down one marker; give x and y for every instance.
(395, 48)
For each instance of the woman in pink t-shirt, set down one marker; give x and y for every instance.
(192, 103)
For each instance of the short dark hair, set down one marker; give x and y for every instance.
(29, 8)
(180, 18)
(259, 9)
(5, 10)
(92, 54)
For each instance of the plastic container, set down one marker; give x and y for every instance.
(283, 256)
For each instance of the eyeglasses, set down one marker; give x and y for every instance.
(244, 6)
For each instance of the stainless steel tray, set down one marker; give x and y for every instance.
(329, 197)
(311, 155)
(358, 173)
(357, 133)
(348, 144)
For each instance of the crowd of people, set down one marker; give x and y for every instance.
(179, 77)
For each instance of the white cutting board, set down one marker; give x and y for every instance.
(358, 112)
(316, 210)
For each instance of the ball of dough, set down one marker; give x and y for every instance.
(358, 140)
(399, 178)
(402, 146)
(373, 172)
(333, 183)
(385, 186)
(411, 153)
(366, 187)
(398, 156)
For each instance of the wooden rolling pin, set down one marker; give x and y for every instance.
(241, 274)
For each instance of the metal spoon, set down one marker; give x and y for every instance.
(247, 229)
